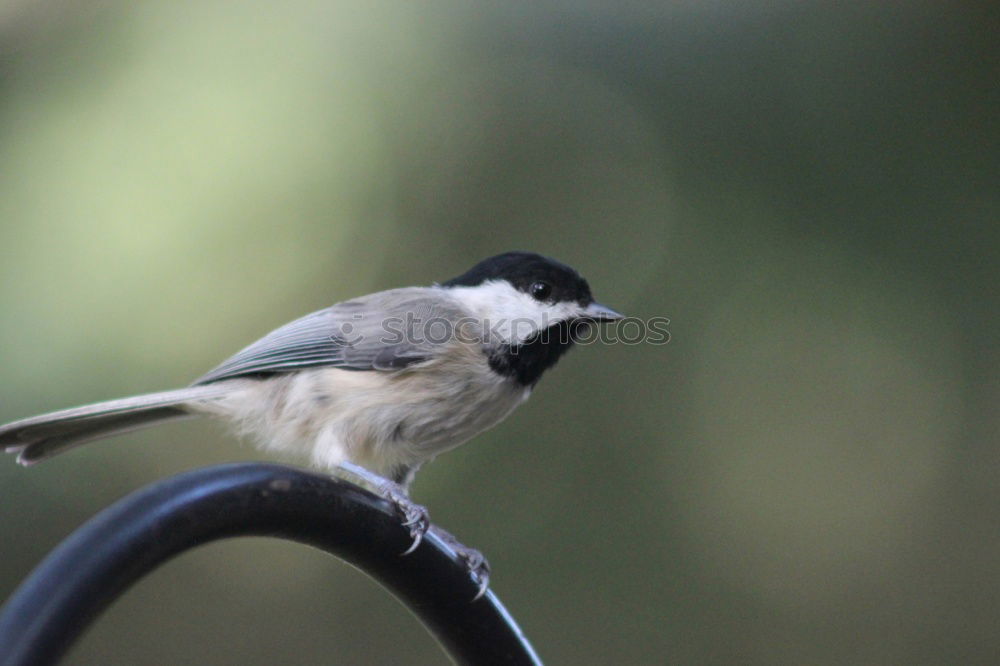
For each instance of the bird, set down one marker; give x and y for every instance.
(373, 386)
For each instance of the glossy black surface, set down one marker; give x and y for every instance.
(113, 550)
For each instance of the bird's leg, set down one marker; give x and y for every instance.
(415, 516)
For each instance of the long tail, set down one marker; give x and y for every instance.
(39, 437)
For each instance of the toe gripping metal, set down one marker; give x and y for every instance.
(416, 519)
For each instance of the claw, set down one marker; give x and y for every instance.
(478, 568)
(416, 542)
(483, 586)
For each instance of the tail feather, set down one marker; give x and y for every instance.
(39, 437)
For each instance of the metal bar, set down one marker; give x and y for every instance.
(126, 541)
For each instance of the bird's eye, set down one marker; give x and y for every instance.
(541, 290)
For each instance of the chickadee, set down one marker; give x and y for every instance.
(386, 381)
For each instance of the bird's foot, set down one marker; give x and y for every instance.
(415, 516)
(417, 520)
(475, 563)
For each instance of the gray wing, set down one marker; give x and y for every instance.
(382, 331)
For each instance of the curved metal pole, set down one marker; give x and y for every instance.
(113, 550)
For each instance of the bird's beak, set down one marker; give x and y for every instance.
(598, 312)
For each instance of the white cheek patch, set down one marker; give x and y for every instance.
(510, 315)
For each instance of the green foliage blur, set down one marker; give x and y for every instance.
(808, 472)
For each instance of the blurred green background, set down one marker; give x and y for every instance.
(807, 473)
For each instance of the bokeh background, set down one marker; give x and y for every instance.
(808, 472)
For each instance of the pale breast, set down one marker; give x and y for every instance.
(379, 420)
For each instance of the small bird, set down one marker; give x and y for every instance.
(376, 385)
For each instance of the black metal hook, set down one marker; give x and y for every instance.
(113, 550)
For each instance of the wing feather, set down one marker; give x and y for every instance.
(361, 334)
